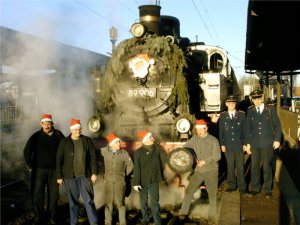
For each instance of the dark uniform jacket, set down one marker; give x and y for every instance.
(40, 150)
(262, 129)
(148, 166)
(65, 157)
(232, 131)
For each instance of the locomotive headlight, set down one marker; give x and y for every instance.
(138, 30)
(94, 124)
(183, 125)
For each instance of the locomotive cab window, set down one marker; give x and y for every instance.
(216, 62)
(201, 58)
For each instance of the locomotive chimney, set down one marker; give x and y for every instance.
(150, 17)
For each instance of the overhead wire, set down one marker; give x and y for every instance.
(215, 31)
(100, 15)
(196, 8)
(211, 23)
(95, 12)
(199, 14)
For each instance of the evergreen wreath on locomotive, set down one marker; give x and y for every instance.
(162, 82)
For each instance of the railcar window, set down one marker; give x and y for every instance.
(201, 60)
(216, 62)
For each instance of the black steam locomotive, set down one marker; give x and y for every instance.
(160, 81)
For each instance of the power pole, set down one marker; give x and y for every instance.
(113, 34)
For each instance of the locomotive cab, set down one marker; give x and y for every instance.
(214, 71)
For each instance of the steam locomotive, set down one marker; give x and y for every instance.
(160, 81)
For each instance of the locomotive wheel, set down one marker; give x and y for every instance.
(181, 160)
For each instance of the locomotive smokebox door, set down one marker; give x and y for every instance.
(182, 160)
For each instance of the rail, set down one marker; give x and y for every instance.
(9, 115)
(290, 122)
(289, 183)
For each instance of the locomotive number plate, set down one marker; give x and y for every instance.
(142, 92)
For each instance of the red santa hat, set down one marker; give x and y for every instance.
(75, 124)
(46, 118)
(201, 124)
(144, 135)
(112, 139)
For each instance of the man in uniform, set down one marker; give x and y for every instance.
(231, 137)
(118, 165)
(263, 136)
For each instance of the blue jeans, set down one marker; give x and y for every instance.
(74, 187)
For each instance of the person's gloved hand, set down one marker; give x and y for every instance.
(137, 188)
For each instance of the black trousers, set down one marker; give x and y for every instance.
(152, 191)
(42, 180)
(264, 157)
(235, 169)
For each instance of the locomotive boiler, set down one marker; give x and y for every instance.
(160, 81)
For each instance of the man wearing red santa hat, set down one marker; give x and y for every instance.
(148, 168)
(207, 149)
(118, 165)
(76, 167)
(40, 156)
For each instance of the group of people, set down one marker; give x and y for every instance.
(257, 132)
(54, 159)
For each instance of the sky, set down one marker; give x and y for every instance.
(86, 23)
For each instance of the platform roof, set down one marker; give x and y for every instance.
(273, 37)
(25, 52)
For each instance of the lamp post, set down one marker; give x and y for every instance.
(113, 34)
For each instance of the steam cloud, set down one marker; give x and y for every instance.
(49, 80)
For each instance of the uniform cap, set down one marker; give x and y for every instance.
(144, 135)
(46, 118)
(230, 98)
(74, 124)
(112, 139)
(256, 93)
(201, 124)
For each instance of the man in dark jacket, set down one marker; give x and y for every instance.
(147, 173)
(40, 156)
(76, 167)
(231, 137)
(118, 165)
(263, 136)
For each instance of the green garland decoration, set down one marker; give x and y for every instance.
(156, 46)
